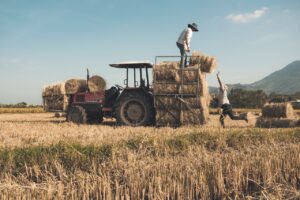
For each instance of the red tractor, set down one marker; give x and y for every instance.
(131, 105)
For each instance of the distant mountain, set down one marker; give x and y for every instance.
(284, 81)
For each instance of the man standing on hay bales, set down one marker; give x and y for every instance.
(225, 105)
(183, 42)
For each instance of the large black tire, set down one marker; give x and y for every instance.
(134, 109)
(77, 115)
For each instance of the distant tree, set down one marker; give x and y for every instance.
(277, 98)
(21, 105)
(241, 98)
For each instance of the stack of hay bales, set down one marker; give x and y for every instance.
(181, 96)
(277, 115)
(56, 97)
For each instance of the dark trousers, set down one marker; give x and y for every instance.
(227, 110)
(183, 60)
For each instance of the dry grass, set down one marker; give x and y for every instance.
(44, 158)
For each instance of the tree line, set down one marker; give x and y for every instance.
(241, 98)
(19, 105)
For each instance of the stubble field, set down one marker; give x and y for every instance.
(42, 157)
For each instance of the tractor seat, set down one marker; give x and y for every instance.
(111, 95)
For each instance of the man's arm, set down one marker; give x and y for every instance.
(220, 82)
(188, 38)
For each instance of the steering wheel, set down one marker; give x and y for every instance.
(119, 87)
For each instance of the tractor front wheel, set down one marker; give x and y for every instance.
(77, 115)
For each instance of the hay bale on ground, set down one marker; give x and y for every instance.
(96, 84)
(73, 86)
(166, 75)
(278, 110)
(167, 117)
(263, 122)
(165, 88)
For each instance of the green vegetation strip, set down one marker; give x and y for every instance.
(76, 156)
(22, 110)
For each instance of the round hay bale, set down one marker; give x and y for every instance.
(73, 86)
(96, 84)
(278, 110)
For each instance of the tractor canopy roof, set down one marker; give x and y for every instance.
(133, 64)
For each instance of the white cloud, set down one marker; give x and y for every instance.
(247, 17)
(286, 11)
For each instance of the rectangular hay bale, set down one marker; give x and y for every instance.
(169, 117)
(163, 102)
(189, 74)
(165, 88)
(191, 117)
(278, 110)
(54, 89)
(207, 63)
(167, 65)
(189, 89)
(166, 75)
(263, 122)
(55, 103)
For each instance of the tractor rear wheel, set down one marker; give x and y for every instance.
(134, 110)
(77, 115)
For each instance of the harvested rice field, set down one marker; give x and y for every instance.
(43, 157)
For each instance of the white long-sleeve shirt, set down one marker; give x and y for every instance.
(222, 97)
(185, 37)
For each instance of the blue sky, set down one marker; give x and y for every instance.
(42, 42)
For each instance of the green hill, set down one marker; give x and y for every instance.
(284, 81)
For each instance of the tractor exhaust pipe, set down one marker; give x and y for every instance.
(87, 79)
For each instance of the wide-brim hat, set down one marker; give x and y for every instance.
(193, 26)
